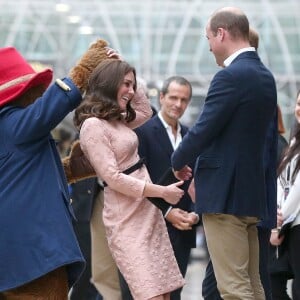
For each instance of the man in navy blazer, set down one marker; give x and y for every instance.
(209, 284)
(158, 138)
(228, 142)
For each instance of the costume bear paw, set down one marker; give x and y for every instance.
(81, 72)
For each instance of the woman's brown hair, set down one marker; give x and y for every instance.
(100, 100)
(292, 151)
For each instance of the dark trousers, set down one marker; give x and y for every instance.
(209, 284)
(83, 288)
(264, 247)
(294, 257)
(279, 287)
(126, 295)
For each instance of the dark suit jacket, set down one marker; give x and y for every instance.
(228, 140)
(155, 146)
(270, 165)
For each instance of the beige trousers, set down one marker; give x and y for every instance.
(104, 270)
(233, 247)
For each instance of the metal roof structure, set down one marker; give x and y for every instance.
(160, 38)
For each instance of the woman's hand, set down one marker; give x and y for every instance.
(279, 218)
(112, 53)
(172, 193)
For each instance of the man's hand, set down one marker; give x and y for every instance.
(181, 219)
(184, 174)
(194, 218)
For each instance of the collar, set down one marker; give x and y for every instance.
(166, 125)
(230, 58)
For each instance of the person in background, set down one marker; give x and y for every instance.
(282, 142)
(83, 194)
(265, 226)
(158, 138)
(104, 269)
(82, 198)
(230, 169)
(280, 269)
(288, 195)
(136, 231)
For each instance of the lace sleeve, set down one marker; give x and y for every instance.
(142, 107)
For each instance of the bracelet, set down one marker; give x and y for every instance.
(275, 230)
(167, 212)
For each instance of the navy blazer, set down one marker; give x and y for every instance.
(156, 147)
(270, 164)
(35, 211)
(228, 140)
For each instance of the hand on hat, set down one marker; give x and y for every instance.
(96, 53)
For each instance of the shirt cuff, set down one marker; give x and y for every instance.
(167, 212)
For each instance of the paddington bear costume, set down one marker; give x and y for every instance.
(39, 254)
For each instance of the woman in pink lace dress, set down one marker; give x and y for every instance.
(135, 228)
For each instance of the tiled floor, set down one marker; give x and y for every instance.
(194, 276)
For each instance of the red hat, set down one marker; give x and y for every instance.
(17, 76)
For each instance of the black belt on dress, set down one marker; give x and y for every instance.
(131, 169)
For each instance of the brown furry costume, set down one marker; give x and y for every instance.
(76, 165)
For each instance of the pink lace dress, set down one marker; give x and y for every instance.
(135, 228)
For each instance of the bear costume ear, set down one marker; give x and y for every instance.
(17, 76)
(96, 53)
